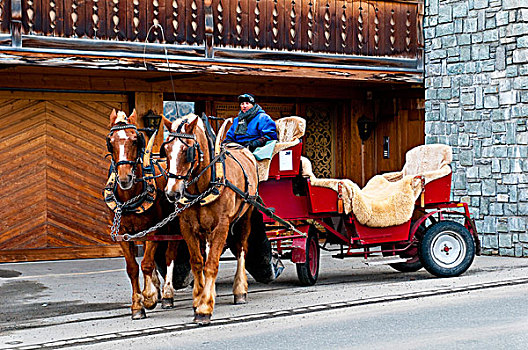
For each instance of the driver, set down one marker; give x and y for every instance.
(253, 127)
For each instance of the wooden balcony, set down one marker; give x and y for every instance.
(340, 39)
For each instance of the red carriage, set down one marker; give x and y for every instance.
(440, 235)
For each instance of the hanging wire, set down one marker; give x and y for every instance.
(166, 54)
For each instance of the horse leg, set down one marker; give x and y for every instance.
(196, 261)
(167, 296)
(207, 300)
(240, 284)
(150, 275)
(132, 268)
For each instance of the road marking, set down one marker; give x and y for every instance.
(308, 309)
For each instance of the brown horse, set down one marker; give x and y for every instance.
(133, 185)
(206, 227)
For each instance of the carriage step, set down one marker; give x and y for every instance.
(383, 260)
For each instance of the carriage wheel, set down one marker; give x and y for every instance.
(308, 271)
(447, 249)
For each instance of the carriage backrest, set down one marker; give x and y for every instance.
(290, 128)
(427, 158)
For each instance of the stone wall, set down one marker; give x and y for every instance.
(476, 80)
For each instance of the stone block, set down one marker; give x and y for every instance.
(454, 114)
(467, 98)
(445, 29)
(491, 101)
(485, 171)
(491, 35)
(504, 84)
(523, 209)
(506, 252)
(513, 193)
(474, 189)
(517, 224)
(520, 55)
(497, 209)
(498, 127)
(514, 4)
(518, 250)
(489, 225)
(488, 188)
(520, 28)
(460, 9)
(480, 4)
(495, 166)
(466, 158)
(503, 198)
(505, 241)
(510, 179)
(444, 94)
(505, 166)
(512, 71)
(502, 225)
(523, 193)
(464, 39)
(472, 172)
(500, 58)
(522, 42)
(445, 14)
(493, 241)
(470, 25)
(455, 68)
(522, 138)
(502, 18)
(508, 97)
(516, 165)
(510, 209)
(521, 82)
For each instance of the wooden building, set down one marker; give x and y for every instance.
(64, 64)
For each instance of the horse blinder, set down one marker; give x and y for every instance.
(190, 155)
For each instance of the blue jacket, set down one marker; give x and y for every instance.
(260, 126)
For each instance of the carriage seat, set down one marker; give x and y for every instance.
(432, 162)
(388, 199)
(286, 156)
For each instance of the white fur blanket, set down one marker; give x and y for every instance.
(389, 199)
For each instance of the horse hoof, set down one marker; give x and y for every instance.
(167, 303)
(202, 319)
(240, 298)
(139, 314)
(150, 305)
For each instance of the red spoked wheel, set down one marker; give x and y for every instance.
(308, 271)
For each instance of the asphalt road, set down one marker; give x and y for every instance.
(83, 304)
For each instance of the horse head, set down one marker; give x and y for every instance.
(125, 145)
(183, 152)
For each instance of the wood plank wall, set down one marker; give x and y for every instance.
(52, 170)
(402, 119)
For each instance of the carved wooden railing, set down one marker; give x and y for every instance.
(220, 28)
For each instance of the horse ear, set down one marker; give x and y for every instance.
(113, 116)
(132, 118)
(192, 125)
(167, 123)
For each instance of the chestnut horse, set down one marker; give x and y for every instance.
(189, 158)
(132, 186)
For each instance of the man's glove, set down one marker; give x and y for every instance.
(252, 145)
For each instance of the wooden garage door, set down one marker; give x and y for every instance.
(52, 170)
